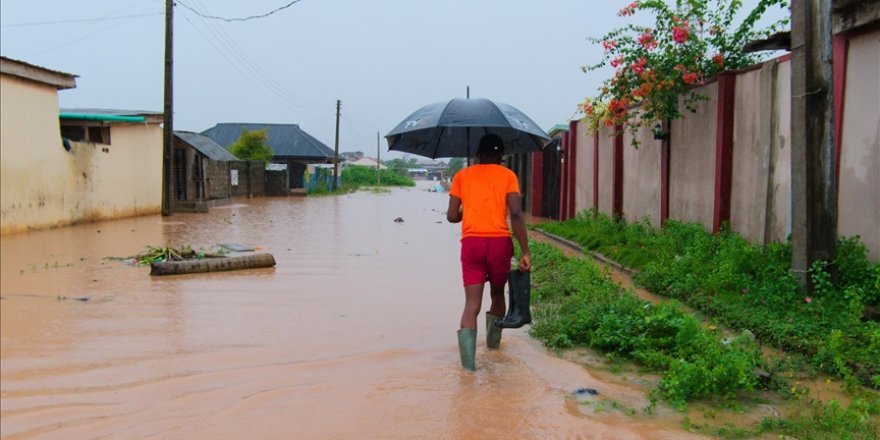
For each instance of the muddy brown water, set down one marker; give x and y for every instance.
(351, 335)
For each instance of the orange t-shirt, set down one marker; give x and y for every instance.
(483, 191)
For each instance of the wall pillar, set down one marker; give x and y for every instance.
(596, 170)
(617, 174)
(840, 49)
(724, 150)
(537, 182)
(572, 166)
(664, 172)
(563, 178)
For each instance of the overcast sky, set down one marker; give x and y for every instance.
(383, 58)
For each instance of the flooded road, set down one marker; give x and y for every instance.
(351, 335)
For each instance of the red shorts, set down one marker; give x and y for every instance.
(485, 259)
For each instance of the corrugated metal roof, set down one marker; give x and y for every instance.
(111, 111)
(205, 145)
(286, 140)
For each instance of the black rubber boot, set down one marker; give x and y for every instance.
(520, 295)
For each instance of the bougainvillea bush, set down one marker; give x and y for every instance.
(691, 41)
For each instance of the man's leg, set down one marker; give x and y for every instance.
(473, 299)
(496, 292)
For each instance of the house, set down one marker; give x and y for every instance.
(434, 169)
(364, 162)
(291, 146)
(66, 166)
(201, 172)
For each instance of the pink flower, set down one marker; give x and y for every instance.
(647, 41)
(639, 66)
(718, 59)
(680, 33)
(609, 44)
(630, 9)
(808, 300)
(617, 61)
(689, 78)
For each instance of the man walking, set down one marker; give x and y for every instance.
(482, 197)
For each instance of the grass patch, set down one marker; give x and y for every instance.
(576, 303)
(748, 287)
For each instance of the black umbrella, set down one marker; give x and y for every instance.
(454, 128)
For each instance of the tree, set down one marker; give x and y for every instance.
(656, 66)
(455, 165)
(251, 145)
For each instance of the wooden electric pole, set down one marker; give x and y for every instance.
(813, 187)
(336, 148)
(168, 132)
(378, 161)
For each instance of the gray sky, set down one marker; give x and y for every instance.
(382, 58)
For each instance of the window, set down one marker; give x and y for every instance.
(95, 134)
(74, 133)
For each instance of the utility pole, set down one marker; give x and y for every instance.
(813, 187)
(378, 161)
(336, 148)
(167, 122)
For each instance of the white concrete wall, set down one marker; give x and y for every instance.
(641, 177)
(606, 176)
(859, 192)
(584, 173)
(692, 162)
(34, 163)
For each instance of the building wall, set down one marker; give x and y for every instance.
(692, 162)
(859, 191)
(641, 177)
(606, 182)
(251, 178)
(33, 158)
(122, 179)
(217, 174)
(583, 192)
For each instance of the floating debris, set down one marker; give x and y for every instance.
(398, 220)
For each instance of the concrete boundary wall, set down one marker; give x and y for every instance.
(758, 159)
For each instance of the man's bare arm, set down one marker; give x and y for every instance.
(518, 223)
(453, 213)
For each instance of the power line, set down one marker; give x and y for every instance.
(80, 20)
(252, 17)
(259, 74)
(242, 68)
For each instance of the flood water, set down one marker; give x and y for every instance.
(351, 335)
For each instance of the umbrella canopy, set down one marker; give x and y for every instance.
(454, 128)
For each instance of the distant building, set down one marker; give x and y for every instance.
(201, 172)
(291, 146)
(364, 162)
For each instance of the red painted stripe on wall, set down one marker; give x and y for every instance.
(537, 182)
(572, 172)
(596, 170)
(723, 150)
(664, 173)
(840, 49)
(617, 173)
